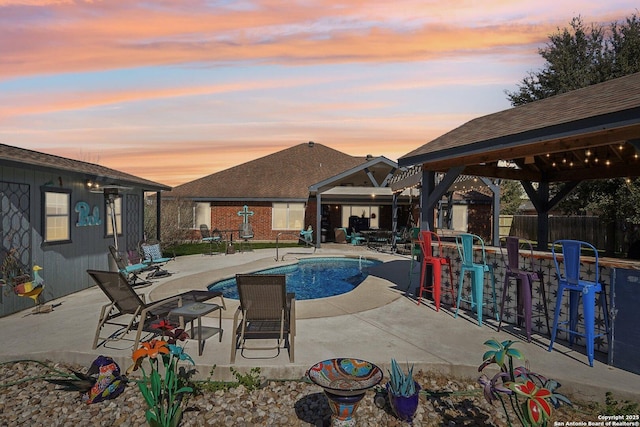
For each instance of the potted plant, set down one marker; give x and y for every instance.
(403, 391)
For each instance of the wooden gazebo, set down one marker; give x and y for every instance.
(589, 133)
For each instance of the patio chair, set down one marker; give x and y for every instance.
(153, 258)
(341, 235)
(130, 271)
(306, 236)
(245, 232)
(266, 312)
(211, 237)
(125, 302)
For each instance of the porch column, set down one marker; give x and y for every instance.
(426, 209)
(158, 217)
(318, 219)
(394, 221)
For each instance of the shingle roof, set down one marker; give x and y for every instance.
(531, 120)
(286, 174)
(21, 156)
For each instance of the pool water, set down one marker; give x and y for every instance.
(312, 278)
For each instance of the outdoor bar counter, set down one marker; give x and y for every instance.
(620, 279)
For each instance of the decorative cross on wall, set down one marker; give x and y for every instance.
(245, 213)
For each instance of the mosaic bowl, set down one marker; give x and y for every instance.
(345, 376)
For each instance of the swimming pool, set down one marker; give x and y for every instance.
(312, 278)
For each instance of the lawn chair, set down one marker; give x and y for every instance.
(153, 258)
(126, 302)
(266, 312)
(130, 271)
(245, 232)
(210, 237)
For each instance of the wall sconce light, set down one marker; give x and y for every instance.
(92, 185)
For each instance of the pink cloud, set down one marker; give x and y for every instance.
(99, 36)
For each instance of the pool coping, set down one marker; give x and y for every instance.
(372, 293)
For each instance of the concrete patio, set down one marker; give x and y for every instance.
(375, 322)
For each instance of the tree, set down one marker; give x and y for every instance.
(576, 57)
(510, 197)
(176, 221)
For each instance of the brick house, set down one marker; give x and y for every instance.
(305, 185)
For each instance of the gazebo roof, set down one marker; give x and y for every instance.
(589, 133)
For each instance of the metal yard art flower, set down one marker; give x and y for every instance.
(537, 405)
(163, 395)
(531, 395)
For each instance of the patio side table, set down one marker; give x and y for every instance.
(195, 311)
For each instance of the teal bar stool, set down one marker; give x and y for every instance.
(465, 242)
(569, 280)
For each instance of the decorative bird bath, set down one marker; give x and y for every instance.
(345, 382)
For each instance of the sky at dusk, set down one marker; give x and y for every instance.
(178, 89)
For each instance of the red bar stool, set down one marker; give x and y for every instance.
(428, 258)
(525, 278)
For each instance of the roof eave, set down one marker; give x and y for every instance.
(617, 120)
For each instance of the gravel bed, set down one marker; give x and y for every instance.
(35, 402)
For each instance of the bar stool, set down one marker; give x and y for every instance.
(436, 262)
(465, 242)
(569, 280)
(416, 252)
(525, 278)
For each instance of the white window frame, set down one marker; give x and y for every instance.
(56, 215)
(358, 210)
(278, 207)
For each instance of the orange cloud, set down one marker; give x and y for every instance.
(111, 35)
(41, 102)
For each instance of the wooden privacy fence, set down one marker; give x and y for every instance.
(586, 228)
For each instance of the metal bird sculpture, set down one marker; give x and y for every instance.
(102, 381)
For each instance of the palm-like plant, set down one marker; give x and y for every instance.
(401, 384)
